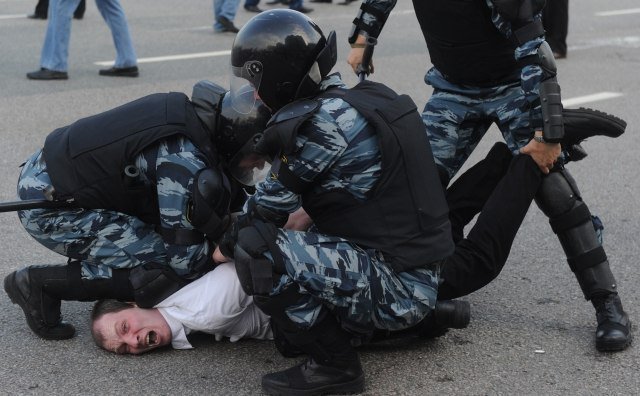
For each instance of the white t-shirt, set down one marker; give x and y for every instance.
(214, 304)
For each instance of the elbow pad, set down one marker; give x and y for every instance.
(371, 29)
(209, 209)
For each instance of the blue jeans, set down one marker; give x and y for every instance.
(295, 4)
(55, 50)
(224, 8)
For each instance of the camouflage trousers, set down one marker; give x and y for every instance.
(354, 284)
(457, 117)
(100, 239)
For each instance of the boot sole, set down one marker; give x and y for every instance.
(345, 388)
(17, 298)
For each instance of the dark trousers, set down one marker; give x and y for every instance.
(555, 18)
(43, 7)
(503, 200)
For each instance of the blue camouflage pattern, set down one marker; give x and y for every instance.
(457, 117)
(450, 112)
(354, 284)
(337, 149)
(104, 239)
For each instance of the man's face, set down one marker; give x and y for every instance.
(133, 330)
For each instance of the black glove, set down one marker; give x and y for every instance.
(228, 240)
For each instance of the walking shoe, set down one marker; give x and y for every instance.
(227, 25)
(46, 74)
(41, 310)
(614, 327)
(253, 8)
(120, 72)
(313, 378)
(37, 16)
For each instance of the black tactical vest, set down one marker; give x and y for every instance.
(87, 159)
(406, 215)
(463, 43)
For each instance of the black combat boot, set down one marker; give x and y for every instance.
(448, 314)
(614, 328)
(26, 288)
(39, 289)
(333, 365)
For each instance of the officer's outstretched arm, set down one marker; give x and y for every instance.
(369, 22)
(523, 17)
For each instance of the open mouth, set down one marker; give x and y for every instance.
(152, 338)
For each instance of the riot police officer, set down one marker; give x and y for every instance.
(355, 160)
(491, 64)
(145, 193)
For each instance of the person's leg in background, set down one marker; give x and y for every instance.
(298, 5)
(224, 13)
(41, 10)
(126, 60)
(252, 6)
(79, 12)
(55, 50)
(555, 18)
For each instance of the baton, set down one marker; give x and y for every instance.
(35, 204)
(363, 68)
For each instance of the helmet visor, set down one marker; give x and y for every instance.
(245, 82)
(249, 167)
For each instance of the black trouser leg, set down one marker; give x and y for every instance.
(469, 193)
(42, 8)
(479, 258)
(79, 12)
(555, 19)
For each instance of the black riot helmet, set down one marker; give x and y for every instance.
(282, 55)
(236, 137)
(233, 133)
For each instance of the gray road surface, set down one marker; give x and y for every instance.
(532, 331)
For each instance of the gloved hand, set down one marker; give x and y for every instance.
(228, 240)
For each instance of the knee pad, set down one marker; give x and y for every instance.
(255, 270)
(558, 194)
(571, 220)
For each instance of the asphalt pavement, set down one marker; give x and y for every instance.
(532, 332)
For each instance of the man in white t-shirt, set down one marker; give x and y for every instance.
(214, 304)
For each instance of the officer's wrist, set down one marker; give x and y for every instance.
(539, 137)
